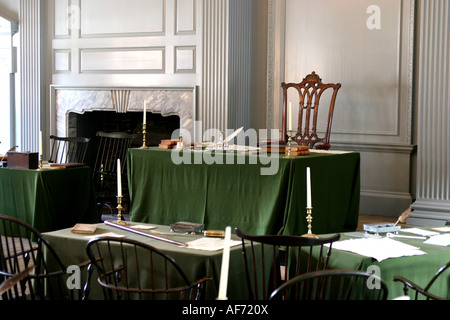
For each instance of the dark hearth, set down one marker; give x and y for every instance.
(87, 125)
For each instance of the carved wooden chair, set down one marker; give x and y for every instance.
(310, 92)
(29, 267)
(333, 285)
(132, 270)
(68, 149)
(420, 292)
(111, 146)
(280, 258)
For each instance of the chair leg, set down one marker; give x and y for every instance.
(87, 285)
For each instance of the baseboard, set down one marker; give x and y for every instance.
(430, 212)
(385, 204)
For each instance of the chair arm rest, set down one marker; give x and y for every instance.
(408, 284)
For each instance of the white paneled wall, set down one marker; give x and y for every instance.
(159, 43)
(367, 46)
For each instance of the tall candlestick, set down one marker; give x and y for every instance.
(119, 179)
(40, 143)
(145, 112)
(290, 116)
(308, 187)
(225, 265)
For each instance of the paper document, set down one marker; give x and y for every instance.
(440, 240)
(441, 229)
(379, 249)
(107, 234)
(420, 232)
(210, 244)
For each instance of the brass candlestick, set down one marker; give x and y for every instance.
(289, 155)
(40, 161)
(119, 211)
(144, 133)
(309, 219)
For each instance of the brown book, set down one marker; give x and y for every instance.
(67, 165)
(169, 142)
(166, 146)
(298, 153)
(84, 228)
(300, 148)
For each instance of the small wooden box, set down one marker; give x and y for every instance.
(23, 160)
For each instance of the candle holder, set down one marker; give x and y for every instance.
(289, 155)
(119, 212)
(309, 219)
(144, 133)
(180, 143)
(40, 162)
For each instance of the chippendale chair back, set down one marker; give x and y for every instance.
(310, 91)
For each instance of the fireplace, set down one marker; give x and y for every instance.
(79, 111)
(89, 123)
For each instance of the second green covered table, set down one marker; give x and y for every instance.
(232, 191)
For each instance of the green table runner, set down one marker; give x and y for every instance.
(49, 199)
(232, 191)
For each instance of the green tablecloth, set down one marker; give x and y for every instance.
(238, 195)
(419, 269)
(195, 263)
(49, 199)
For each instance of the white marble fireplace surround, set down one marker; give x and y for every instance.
(165, 101)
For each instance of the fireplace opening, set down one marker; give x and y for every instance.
(88, 124)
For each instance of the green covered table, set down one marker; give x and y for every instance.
(49, 199)
(419, 268)
(195, 263)
(221, 189)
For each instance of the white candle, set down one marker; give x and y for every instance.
(40, 143)
(290, 116)
(225, 265)
(119, 179)
(145, 112)
(308, 188)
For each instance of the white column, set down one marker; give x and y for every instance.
(433, 117)
(32, 75)
(227, 64)
(214, 96)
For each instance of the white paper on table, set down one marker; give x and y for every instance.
(441, 229)
(379, 249)
(420, 232)
(210, 244)
(107, 234)
(439, 240)
(143, 227)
